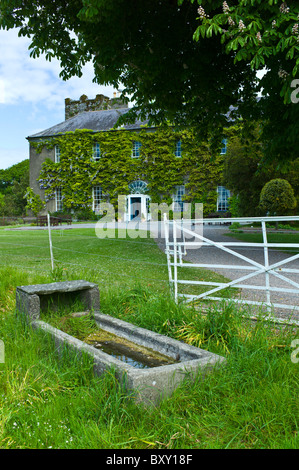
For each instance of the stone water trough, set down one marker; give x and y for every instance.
(148, 381)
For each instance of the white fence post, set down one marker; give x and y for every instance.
(175, 262)
(50, 241)
(166, 234)
(2, 352)
(266, 255)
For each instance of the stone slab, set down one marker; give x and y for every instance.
(65, 286)
(30, 298)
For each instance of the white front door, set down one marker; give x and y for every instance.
(137, 207)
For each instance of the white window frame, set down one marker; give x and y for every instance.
(58, 199)
(138, 187)
(136, 149)
(97, 197)
(178, 148)
(222, 199)
(178, 203)
(96, 151)
(57, 154)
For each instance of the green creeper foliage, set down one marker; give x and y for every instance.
(77, 171)
(277, 197)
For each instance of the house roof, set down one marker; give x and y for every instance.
(91, 120)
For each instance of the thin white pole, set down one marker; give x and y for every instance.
(50, 241)
(175, 269)
(166, 234)
(266, 255)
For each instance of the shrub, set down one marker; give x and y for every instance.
(277, 197)
(34, 202)
(86, 214)
(234, 226)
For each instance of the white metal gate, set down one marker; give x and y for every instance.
(176, 249)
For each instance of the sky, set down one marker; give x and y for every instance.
(32, 95)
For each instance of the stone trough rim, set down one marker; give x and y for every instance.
(79, 345)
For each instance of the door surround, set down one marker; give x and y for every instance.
(137, 207)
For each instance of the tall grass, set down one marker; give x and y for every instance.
(51, 401)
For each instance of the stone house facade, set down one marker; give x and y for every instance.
(101, 115)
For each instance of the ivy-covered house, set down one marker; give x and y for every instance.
(86, 160)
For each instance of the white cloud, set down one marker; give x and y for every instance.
(2, 91)
(35, 80)
(26, 81)
(32, 95)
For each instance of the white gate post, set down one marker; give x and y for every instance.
(266, 255)
(50, 241)
(166, 234)
(175, 261)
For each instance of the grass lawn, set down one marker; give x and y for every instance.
(120, 262)
(279, 237)
(46, 402)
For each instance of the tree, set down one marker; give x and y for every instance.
(257, 31)
(277, 197)
(13, 184)
(174, 62)
(14, 173)
(245, 170)
(264, 34)
(2, 203)
(34, 202)
(15, 205)
(244, 174)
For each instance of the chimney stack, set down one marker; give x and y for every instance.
(99, 103)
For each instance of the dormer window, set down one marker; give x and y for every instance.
(96, 152)
(136, 149)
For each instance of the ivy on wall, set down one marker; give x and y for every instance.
(77, 172)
